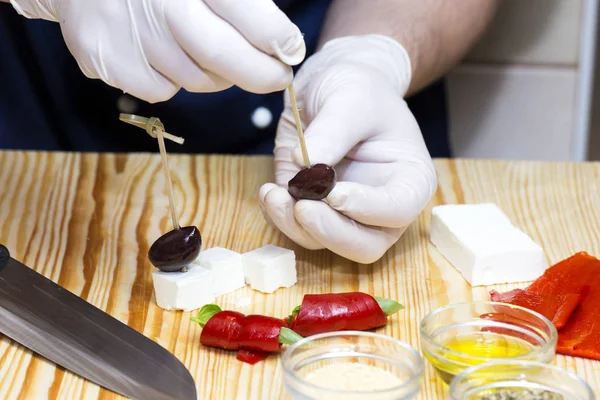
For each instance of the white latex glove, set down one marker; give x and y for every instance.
(351, 97)
(152, 48)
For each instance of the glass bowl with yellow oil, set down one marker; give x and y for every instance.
(518, 379)
(460, 335)
(351, 365)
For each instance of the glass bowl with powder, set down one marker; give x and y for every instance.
(518, 379)
(351, 365)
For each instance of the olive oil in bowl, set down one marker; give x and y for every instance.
(472, 349)
(461, 335)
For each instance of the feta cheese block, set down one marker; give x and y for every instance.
(184, 290)
(269, 268)
(226, 266)
(481, 242)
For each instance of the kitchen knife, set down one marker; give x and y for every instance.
(72, 333)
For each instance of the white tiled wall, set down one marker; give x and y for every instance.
(533, 32)
(594, 136)
(521, 92)
(512, 112)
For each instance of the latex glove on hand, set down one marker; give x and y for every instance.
(351, 94)
(153, 48)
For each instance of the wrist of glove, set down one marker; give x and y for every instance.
(153, 48)
(355, 119)
(378, 52)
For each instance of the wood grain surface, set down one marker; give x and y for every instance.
(87, 221)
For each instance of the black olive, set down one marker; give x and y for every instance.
(176, 249)
(313, 183)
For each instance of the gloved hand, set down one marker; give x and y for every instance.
(152, 48)
(356, 119)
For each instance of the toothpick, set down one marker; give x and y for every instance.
(163, 154)
(156, 129)
(173, 138)
(299, 125)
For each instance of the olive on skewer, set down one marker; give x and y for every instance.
(313, 183)
(179, 247)
(176, 249)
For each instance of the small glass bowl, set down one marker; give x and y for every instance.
(494, 377)
(351, 365)
(460, 335)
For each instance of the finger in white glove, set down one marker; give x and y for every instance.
(218, 46)
(265, 26)
(277, 205)
(342, 235)
(152, 48)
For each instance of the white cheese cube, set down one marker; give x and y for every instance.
(269, 268)
(484, 246)
(184, 290)
(226, 266)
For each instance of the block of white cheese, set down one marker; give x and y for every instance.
(185, 291)
(480, 241)
(226, 266)
(269, 268)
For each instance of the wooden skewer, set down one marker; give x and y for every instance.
(173, 138)
(299, 125)
(163, 154)
(156, 129)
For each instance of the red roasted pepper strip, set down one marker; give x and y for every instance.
(556, 308)
(260, 333)
(251, 356)
(572, 287)
(255, 336)
(581, 336)
(223, 330)
(565, 310)
(330, 312)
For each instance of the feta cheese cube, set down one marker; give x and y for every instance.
(480, 241)
(269, 268)
(226, 266)
(184, 290)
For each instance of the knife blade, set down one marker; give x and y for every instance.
(69, 331)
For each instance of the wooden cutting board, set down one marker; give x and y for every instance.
(87, 221)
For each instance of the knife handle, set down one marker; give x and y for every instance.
(4, 257)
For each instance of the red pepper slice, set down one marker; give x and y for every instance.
(251, 356)
(260, 333)
(570, 295)
(565, 310)
(557, 308)
(320, 313)
(223, 330)
(255, 336)
(581, 336)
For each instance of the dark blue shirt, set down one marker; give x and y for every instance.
(46, 103)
